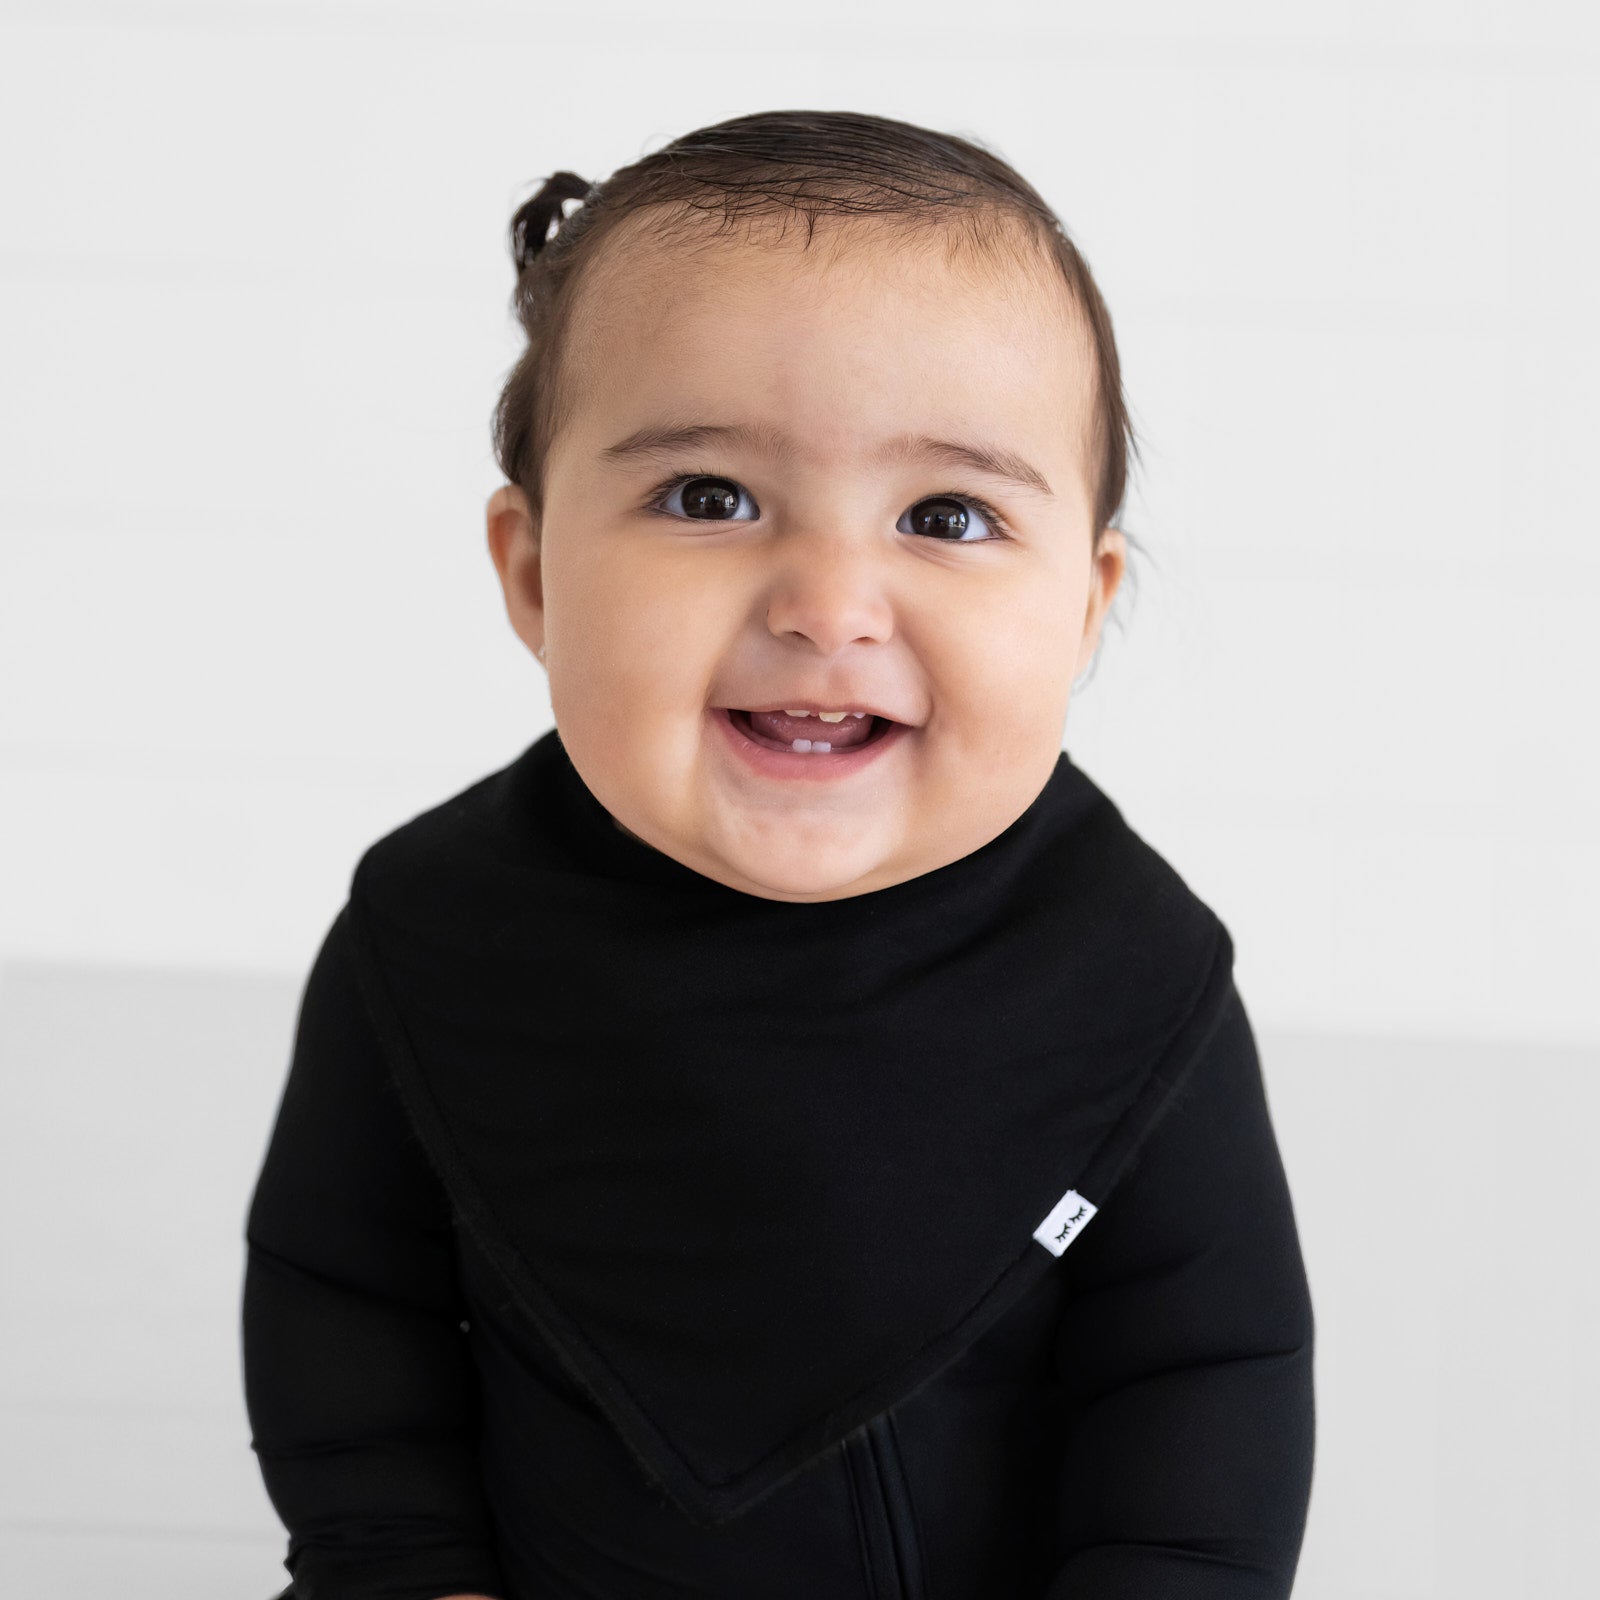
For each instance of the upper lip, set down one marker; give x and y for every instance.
(796, 702)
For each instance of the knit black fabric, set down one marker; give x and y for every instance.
(749, 1187)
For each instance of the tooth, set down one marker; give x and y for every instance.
(858, 714)
(820, 747)
(797, 713)
(832, 716)
(800, 746)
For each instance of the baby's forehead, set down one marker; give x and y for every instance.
(661, 251)
(852, 334)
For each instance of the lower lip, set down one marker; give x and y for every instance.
(772, 763)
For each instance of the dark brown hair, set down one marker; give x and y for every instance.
(774, 164)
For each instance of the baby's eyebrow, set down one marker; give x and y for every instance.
(664, 439)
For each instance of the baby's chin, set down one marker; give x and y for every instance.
(790, 870)
(777, 846)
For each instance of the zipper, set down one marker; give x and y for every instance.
(891, 1549)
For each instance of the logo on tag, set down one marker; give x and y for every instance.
(1066, 1220)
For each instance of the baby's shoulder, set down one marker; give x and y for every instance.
(1123, 881)
(449, 842)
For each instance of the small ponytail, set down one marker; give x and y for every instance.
(530, 227)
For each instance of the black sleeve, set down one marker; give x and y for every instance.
(360, 1390)
(1186, 1351)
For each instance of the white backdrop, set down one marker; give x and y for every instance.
(254, 320)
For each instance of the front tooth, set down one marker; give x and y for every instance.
(797, 713)
(816, 747)
(833, 716)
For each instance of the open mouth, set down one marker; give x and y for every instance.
(816, 740)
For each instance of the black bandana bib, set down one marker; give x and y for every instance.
(755, 1170)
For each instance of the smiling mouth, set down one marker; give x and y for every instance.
(878, 727)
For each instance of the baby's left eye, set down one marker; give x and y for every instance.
(940, 514)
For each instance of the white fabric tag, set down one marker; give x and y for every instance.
(1066, 1220)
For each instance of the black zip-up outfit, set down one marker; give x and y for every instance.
(625, 1236)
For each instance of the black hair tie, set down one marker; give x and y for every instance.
(530, 227)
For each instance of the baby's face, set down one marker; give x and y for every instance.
(805, 564)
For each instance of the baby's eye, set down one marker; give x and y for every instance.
(705, 499)
(943, 514)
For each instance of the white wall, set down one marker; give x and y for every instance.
(253, 321)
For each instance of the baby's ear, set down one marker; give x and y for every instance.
(513, 534)
(1107, 565)
(507, 515)
(512, 528)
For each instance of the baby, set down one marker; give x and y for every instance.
(785, 1134)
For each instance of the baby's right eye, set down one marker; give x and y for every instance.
(704, 498)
